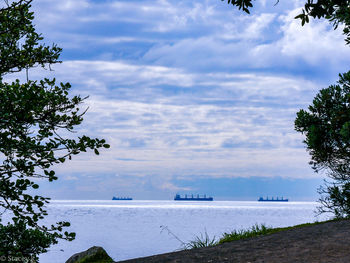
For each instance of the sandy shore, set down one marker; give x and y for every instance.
(327, 242)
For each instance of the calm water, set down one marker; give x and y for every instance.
(129, 229)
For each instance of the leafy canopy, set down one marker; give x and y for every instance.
(20, 48)
(36, 118)
(326, 126)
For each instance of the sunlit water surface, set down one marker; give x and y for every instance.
(130, 229)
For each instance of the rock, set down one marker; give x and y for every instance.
(92, 255)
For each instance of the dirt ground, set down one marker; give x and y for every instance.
(324, 243)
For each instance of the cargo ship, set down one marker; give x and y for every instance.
(121, 198)
(193, 198)
(261, 199)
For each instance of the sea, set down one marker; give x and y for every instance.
(131, 229)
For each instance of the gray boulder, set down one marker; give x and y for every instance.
(92, 255)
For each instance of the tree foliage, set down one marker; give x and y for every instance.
(20, 48)
(241, 4)
(36, 118)
(326, 126)
(335, 11)
(18, 243)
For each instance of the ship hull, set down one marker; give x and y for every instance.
(286, 200)
(193, 199)
(272, 200)
(122, 198)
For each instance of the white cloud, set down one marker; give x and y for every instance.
(255, 29)
(313, 42)
(70, 178)
(173, 188)
(220, 124)
(250, 43)
(196, 35)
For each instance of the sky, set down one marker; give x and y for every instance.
(193, 96)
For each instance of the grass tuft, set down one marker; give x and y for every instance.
(256, 230)
(201, 241)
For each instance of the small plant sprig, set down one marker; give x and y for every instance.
(165, 228)
(203, 240)
(199, 241)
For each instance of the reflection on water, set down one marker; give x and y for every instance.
(129, 229)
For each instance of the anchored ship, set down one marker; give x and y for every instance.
(261, 199)
(121, 198)
(193, 198)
